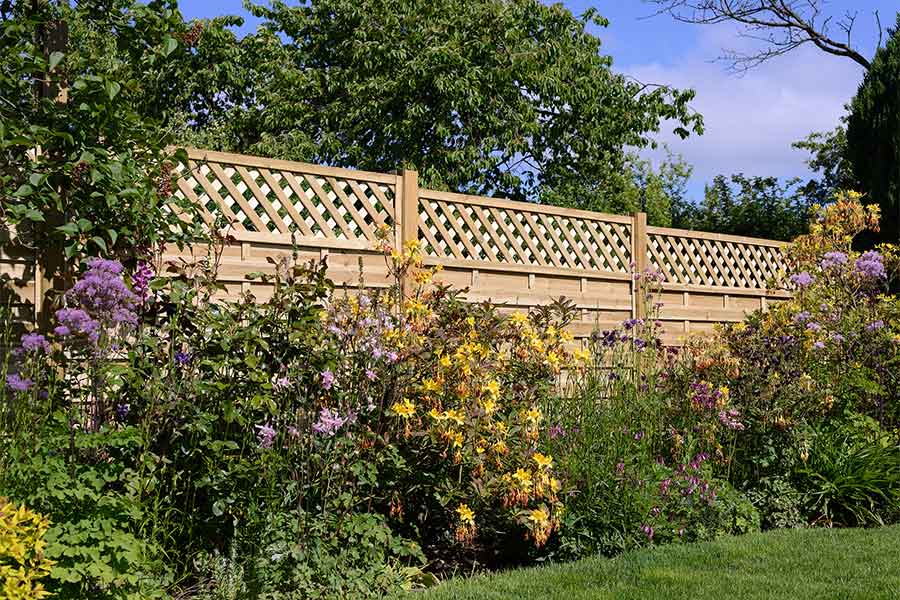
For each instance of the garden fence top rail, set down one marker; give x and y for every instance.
(517, 254)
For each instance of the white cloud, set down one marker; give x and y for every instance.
(751, 120)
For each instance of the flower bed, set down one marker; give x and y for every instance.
(349, 443)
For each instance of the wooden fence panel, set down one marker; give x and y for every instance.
(518, 255)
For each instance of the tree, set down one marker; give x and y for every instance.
(88, 174)
(828, 157)
(873, 134)
(760, 207)
(781, 25)
(495, 97)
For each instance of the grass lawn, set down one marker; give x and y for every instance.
(819, 564)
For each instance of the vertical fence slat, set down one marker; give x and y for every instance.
(639, 257)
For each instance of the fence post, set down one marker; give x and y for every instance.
(639, 258)
(407, 214)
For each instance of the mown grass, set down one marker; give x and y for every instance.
(798, 564)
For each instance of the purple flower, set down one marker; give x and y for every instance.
(875, 325)
(664, 486)
(392, 357)
(17, 383)
(837, 337)
(122, 411)
(265, 435)
(813, 326)
(282, 383)
(370, 375)
(182, 358)
(833, 259)
(327, 379)
(648, 531)
(556, 431)
(140, 280)
(632, 323)
(729, 419)
(802, 317)
(639, 436)
(76, 320)
(330, 421)
(819, 345)
(620, 468)
(33, 342)
(802, 280)
(103, 295)
(870, 265)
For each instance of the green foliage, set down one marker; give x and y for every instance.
(851, 473)
(23, 562)
(873, 134)
(828, 157)
(779, 503)
(498, 97)
(95, 540)
(91, 173)
(750, 206)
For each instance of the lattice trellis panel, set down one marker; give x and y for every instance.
(713, 262)
(467, 231)
(278, 201)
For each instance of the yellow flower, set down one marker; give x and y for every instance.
(431, 386)
(582, 355)
(533, 416)
(492, 388)
(436, 414)
(456, 438)
(518, 318)
(554, 485)
(445, 361)
(553, 359)
(405, 409)
(543, 461)
(566, 336)
(465, 513)
(489, 406)
(500, 447)
(523, 477)
(455, 416)
(538, 516)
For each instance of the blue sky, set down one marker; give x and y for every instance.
(750, 119)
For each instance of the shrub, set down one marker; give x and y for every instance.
(850, 473)
(23, 562)
(809, 369)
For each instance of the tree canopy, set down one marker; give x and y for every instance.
(873, 134)
(496, 97)
(761, 207)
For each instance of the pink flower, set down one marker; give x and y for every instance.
(327, 379)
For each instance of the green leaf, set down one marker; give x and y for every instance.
(112, 89)
(100, 242)
(169, 45)
(24, 190)
(55, 59)
(34, 215)
(70, 229)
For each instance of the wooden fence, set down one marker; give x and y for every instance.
(515, 254)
